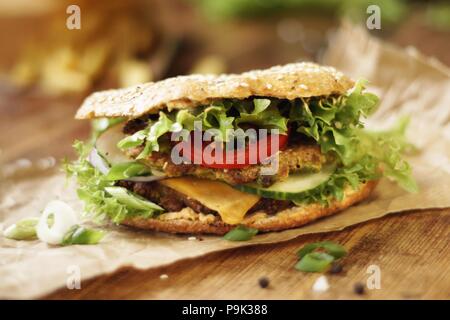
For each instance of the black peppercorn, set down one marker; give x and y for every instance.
(358, 288)
(336, 268)
(263, 282)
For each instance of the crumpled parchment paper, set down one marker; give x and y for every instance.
(408, 84)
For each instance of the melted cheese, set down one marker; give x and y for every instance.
(231, 204)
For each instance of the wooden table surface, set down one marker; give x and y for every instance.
(411, 249)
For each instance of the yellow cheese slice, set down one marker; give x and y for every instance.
(231, 204)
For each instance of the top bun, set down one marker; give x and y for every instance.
(285, 82)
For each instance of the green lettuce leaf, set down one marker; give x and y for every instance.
(91, 190)
(187, 119)
(342, 178)
(215, 117)
(265, 115)
(156, 130)
(379, 154)
(387, 148)
(333, 121)
(221, 116)
(134, 140)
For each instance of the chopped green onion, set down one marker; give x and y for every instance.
(307, 248)
(318, 256)
(334, 249)
(132, 200)
(81, 235)
(240, 233)
(315, 262)
(24, 229)
(126, 170)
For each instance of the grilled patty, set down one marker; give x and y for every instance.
(174, 201)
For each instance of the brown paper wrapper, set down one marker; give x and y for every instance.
(408, 84)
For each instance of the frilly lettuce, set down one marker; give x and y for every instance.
(222, 117)
(385, 149)
(333, 121)
(265, 115)
(124, 170)
(92, 189)
(335, 124)
(334, 187)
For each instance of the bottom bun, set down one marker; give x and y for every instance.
(189, 221)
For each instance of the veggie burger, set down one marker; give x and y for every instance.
(267, 149)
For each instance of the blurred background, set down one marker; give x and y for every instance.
(46, 69)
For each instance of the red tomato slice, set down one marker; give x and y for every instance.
(208, 158)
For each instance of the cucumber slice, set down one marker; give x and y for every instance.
(106, 145)
(292, 187)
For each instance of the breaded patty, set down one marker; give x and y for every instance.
(296, 158)
(188, 221)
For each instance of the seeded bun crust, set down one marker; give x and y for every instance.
(285, 82)
(188, 221)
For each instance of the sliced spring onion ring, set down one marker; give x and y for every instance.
(98, 162)
(24, 229)
(64, 218)
(105, 155)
